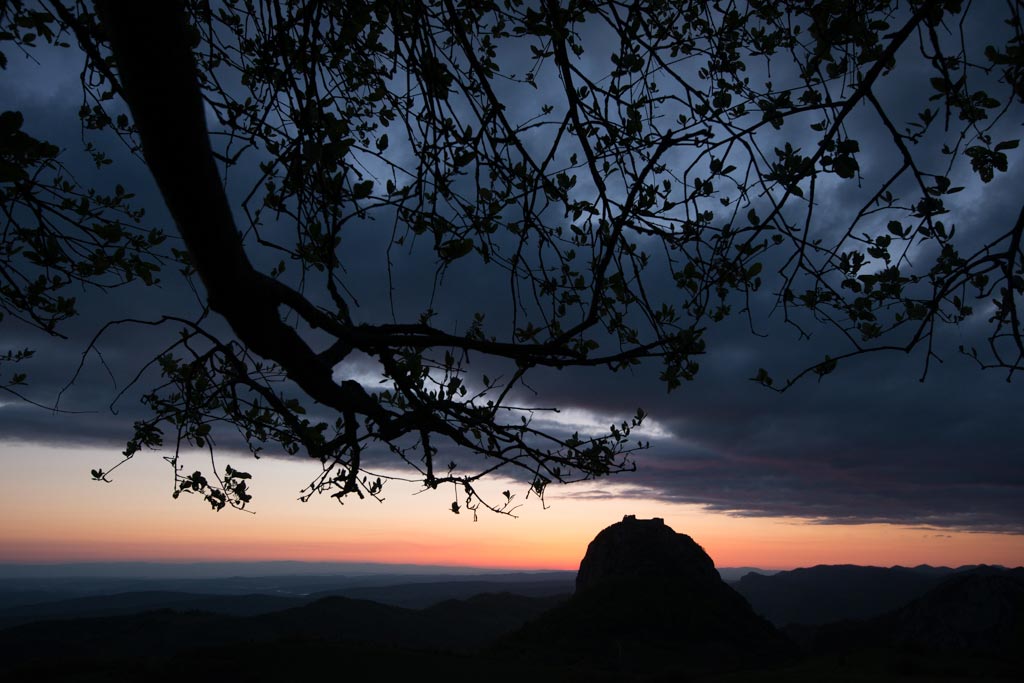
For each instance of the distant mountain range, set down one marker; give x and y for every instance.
(410, 595)
(825, 593)
(870, 623)
(26, 590)
(219, 570)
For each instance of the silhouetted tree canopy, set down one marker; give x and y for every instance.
(623, 176)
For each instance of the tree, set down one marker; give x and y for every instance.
(637, 171)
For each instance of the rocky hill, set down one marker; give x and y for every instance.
(649, 600)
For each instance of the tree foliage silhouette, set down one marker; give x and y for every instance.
(638, 171)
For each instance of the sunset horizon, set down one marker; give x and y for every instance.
(134, 518)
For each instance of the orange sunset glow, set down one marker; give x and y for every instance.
(49, 519)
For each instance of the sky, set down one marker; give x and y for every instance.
(869, 466)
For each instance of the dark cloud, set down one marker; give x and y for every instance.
(868, 443)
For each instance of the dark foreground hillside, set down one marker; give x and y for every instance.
(822, 594)
(649, 605)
